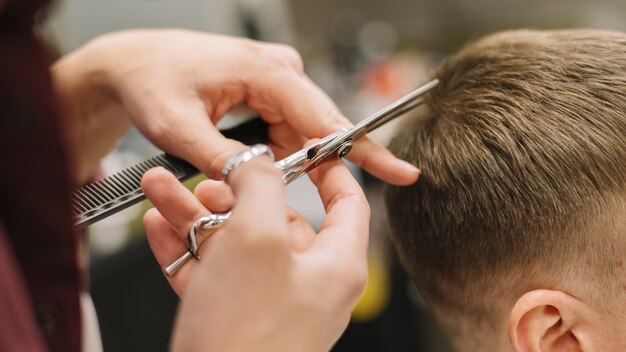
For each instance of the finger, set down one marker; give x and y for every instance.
(382, 164)
(292, 97)
(345, 229)
(216, 196)
(312, 114)
(175, 202)
(260, 218)
(302, 234)
(184, 128)
(167, 246)
(285, 140)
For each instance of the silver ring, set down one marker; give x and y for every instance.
(244, 156)
(204, 223)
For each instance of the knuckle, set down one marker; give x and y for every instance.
(293, 57)
(220, 154)
(355, 197)
(337, 117)
(158, 130)
(358, 195)
(215, 165)
(284, 55)
(167, 111)
(265, 242)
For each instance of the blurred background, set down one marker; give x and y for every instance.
(364, 54)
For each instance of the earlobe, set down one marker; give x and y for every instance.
(546, 320)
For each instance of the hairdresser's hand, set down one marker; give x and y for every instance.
(265, 281)
(175, 85)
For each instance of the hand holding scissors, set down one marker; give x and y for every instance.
(335, 145)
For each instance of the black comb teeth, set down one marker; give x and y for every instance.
(100, 199)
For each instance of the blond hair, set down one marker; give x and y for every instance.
(522, 148)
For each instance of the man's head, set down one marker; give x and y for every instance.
(516, 231)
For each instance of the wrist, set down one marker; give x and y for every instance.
(91, 105)
(83, 79)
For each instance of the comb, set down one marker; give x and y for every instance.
(100, 199)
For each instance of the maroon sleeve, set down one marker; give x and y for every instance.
(18, 331)
(35, 188)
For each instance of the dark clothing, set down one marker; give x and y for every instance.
(35, 187)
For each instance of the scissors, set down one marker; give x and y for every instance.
(335, 145)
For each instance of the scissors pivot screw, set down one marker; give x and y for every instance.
(337, 144)
(344, 150)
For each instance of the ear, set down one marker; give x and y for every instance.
(547, 320)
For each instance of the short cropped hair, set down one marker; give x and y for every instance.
(522, 148)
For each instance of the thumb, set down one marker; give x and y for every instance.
(189, 133)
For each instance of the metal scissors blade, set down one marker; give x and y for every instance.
(339, 143)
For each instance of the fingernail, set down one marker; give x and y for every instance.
(410, 167)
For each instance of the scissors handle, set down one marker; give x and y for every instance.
(171, 269)
(335, 145)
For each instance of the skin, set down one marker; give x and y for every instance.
(174, 85)
(266, 281)
(281, 285)
(552, 320)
